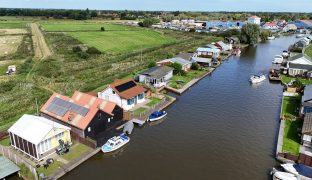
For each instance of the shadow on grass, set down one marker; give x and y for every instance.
(292, 128)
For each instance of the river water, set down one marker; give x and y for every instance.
(222, 128)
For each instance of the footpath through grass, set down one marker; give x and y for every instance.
(291, 140)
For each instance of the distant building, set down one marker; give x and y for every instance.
(254, 20)
(126, 93)
(207, 52)
(302, 24)
(87, 115)
(37, 136)
(157, 76)
(270, 26)
(205, 62)
(186, 65)
(290, 27)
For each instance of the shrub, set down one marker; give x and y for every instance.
(49, 68)
(177, 69)
(195, 66)
(77, 49)
(93, 50)
(151, 64)
(83, 55)
(7, 86)
(102, 29)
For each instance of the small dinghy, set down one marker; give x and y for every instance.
(278, 59)
(115, 143)
(278, 175)
(157, 115)
(271, 37)
(257, 78)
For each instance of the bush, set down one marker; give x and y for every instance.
(102, 29)
(177, 69)
(83, 55)
(77, 49)
(195, 66)
(49, 68)
(151, 64)
(7, 86)
(264, 35)
(93, 50)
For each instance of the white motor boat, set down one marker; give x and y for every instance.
(300, 35)
(278, 59)
(257, 78)
(115, 143)
(288, 167)
(157, 115)
(278, 175)
(285, 54)
(271, 37)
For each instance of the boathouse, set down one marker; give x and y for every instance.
(126, 93)
(7, 167)
(87, 115)
(37, 136)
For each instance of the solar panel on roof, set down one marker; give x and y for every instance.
(60, 107)
(125, 86)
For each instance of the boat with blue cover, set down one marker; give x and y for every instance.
(115, 143)
(157, 115)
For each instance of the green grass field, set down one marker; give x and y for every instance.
(12, 24)
(83, 26)
(76, 151)
(122, 41)
(290, 105)
(291, 142)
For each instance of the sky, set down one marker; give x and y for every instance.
(167, 5)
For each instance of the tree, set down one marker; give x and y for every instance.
(177, 69)
(264, 35)
(250, 33)
(195, 66)
(77, 49)
(102, 29)
(147, 22)
(93, 14)
(151, 64)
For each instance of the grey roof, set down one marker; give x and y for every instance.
(307, 124)
(298, 65)
(157, 71)
(178, 60)
(307, 95)
(7, 167)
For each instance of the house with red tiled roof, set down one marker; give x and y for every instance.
(270, 26)
(86, 115)
(126, 93)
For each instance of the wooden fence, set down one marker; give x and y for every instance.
(86, 141)
(11, 154)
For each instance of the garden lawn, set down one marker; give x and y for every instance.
(76, 151)
(286, 79)
(139, 111)
(153, 101)
(51, 169)
(122, 41)
(290, 105)
(308, 51)
(187, 78)
(291, 142)
(83, 26)
(5, 142)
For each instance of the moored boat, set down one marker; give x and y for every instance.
(299, 35)
(115, 143)
(257, 78)
(298, 170)
(274, 75)
(271, 37)
(157, 115)
(278, 59)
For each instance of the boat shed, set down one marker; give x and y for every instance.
(7, 167)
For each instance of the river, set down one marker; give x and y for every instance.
(221, 128)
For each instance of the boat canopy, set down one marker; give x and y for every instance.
(303, 170)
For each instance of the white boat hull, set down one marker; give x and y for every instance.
(284, 176)
(109, 149)
(254, 80)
